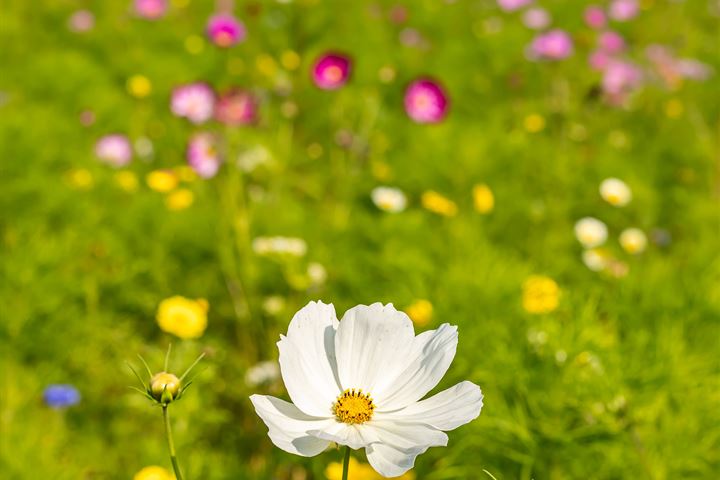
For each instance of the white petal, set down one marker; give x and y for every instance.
(288, 426)
(429, 358)
(389, 461)
(447, 410)
(407, 435)
(307, 359)
(354, 436)
(370, 342)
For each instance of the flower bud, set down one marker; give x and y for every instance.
(164, 387)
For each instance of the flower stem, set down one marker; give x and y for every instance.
(171, 445)
(346, 464)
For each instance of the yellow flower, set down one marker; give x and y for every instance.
(139, 86)
(153, 473)
(290, 60)
(436, 203)
(483, 198)
(360, 471)
(266, 65)
(633, 240)
(194, 44)
(80, 179)
(162, 180)
(420, 312)
(534, 123)
(674, 108)
(540, 294)
(127, 181)
(179, 199)
(183, 317)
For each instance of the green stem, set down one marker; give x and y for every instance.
(171, 445)
(346, 464)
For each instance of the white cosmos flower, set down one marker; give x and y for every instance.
(591, 232)
(615, 192)
(359, 382)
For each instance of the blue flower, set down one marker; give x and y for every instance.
(61, 396)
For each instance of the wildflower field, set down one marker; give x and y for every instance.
(542, 175)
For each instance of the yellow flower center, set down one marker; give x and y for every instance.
(353, 406)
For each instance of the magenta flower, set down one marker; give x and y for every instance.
(195, 101)
(595, 17)
(599, 60)
(611, 42)
(623, 10)
(553, 45)
(203, 156)
(426, 101)
(236, 107)
(331, 71)
(512, 5)
(536, 18)
(225, 30)
(114, 150)
(151, 9)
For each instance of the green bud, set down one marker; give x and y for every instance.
(164, 387)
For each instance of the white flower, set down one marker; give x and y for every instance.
(596, 259)
(615, 192)
(633, 240)
(590, 232)
(317, 273)
(358, 382)
(291, 246)
(389, 199)
(263, 372)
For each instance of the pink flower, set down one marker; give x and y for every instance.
(553, 45)
(512, 5)
(114, 150)
(150, 9)
(623, 10)
(426, 101)
(331, 71)
(195, 101)
(81, 21)
(225, 30)
(595, 17)
(619, 79)
(236, 107)
(202, 155)
(693, 69)
(536, 18)
(599, 60)
(611, 42)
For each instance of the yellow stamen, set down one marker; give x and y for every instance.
(353, 406)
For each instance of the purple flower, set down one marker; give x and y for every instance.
(114, 149)
(203, 156)
(225, 30)
(512, 5)
(331, 71)
(595, 17)
(236, 107)
(426, 101)
(536, 18)
(623, 10)
(553, 45)
(151, 9)
(61, 396)
(611, 42)
(195, 101)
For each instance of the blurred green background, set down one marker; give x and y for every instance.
(621, 380)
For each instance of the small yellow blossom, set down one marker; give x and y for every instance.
(360, 471)
(290, 60)
(139, 86)
(540, 294)
(633, 240)
(420, 312)
(534, 123)
(439, 204)
(179, 199)
(154, 473)
(80, 178)
(483, 198)
(183, 317)
(266, 65)
(127, 181)
(194, 44)
(162, 180)
(674, 108)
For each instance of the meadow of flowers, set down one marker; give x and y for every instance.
(534, 186)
